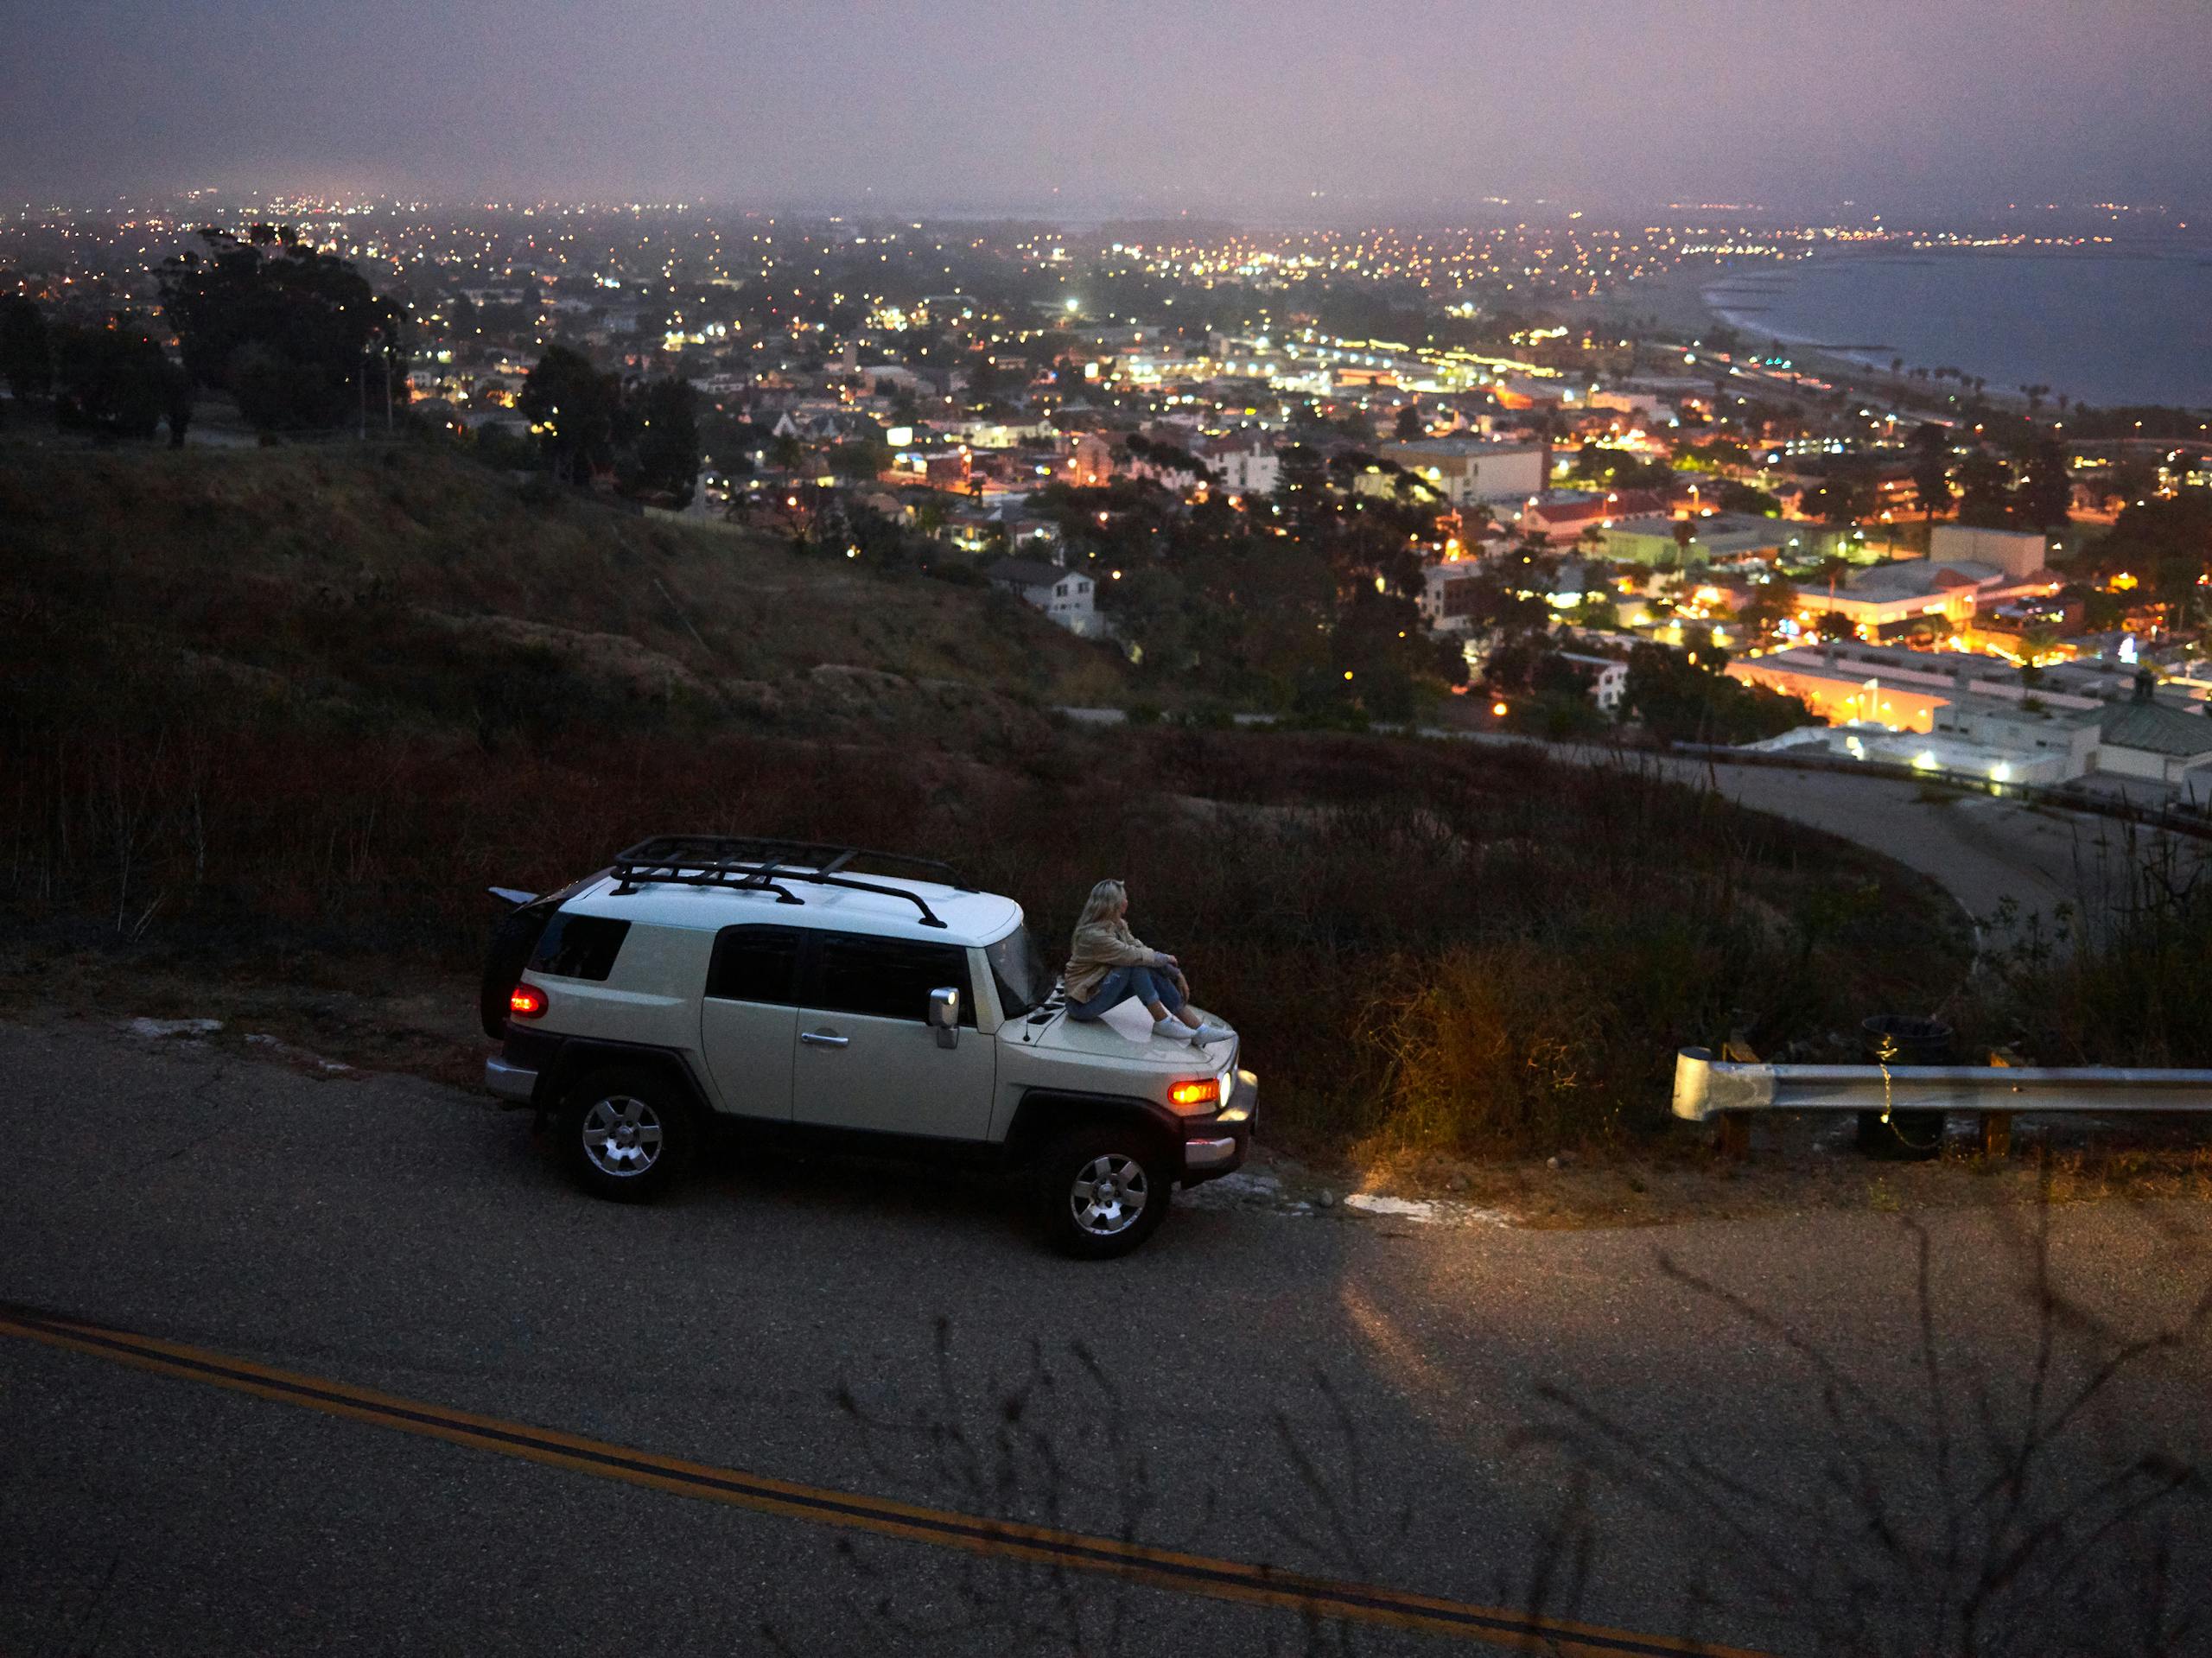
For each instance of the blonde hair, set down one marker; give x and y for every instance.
(1105, 900)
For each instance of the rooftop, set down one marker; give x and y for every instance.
(2156, 729)
(1026, 572)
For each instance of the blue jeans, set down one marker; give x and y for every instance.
(1146, 984)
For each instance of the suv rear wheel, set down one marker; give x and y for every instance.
(626, 1133)
(1103, 1191)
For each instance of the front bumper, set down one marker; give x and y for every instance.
(517, 1084)
(1218, 1145)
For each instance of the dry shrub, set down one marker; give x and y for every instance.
(1423, 947)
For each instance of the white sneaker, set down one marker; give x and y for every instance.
(1172, 1029)
(1210, 1030)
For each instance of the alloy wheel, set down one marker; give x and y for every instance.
(1109, 1195)
(622, 1136)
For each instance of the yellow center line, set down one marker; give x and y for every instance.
(1195, 1574)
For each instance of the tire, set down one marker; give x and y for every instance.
(626, 1133)
(1086, 1182)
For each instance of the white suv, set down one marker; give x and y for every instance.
(701, 979)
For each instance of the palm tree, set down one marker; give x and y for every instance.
(2035, 644)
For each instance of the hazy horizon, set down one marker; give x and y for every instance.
(1237, 109)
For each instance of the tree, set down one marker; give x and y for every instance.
(1408, 425)
(26, 348)
(2036, 643)
(1775, 601)
(303, 329)
(663, 426)
(115, 381)
(2045, 493)
(1984, 491)
(2132, 480)
(1840, 501)
(1931, 469)
(1679, 701)
(860, 459)
(572, 407)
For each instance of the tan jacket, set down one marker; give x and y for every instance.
(1099, 948)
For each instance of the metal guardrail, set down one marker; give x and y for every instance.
(1706, 1088)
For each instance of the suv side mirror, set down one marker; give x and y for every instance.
(944, 1016)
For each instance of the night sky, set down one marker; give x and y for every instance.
(1307, 109)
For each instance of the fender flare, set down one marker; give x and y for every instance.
(1045, 1113)
(580, 1055)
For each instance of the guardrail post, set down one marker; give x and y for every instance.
(1733, 1138)
(1997, 1126)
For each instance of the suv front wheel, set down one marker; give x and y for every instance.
(1103, 1191)
(625, 1133)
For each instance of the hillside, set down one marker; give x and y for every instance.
(404, 588)
(271, 721)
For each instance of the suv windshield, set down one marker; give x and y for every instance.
(1024, 980)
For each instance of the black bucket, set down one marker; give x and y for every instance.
(1905, 1040)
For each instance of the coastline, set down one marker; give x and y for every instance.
(1731, 298)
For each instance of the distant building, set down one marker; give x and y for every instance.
(1976, 713)
(1090, 461)
(2018, 553)
(1066, 596)
(1467, 470)
(1561, 516)
(1245, 462)
(2145, 739)
(1447, 595)
(1650, 539)
(1895, 597)
(1608, 678)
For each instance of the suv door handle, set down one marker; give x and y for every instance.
(824, 1039)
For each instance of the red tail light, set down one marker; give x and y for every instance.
(526, 1001)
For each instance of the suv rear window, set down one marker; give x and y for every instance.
(755, 964)
(579, 946)
(889, 978)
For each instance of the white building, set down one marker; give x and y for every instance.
(1466, 470)
(2018, 553)
(1940, 711)
(1066, 596)
(2151, 740)
(1245, 462)
(1608, 681)
(1447, 595)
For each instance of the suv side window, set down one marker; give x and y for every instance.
(888, 978)
(579, 947)
(755, 964)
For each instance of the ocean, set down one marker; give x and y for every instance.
(2104, 328)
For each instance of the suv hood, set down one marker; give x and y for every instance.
(1124, 1034)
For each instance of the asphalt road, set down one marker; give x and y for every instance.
(1982, 849)
(1560, 1421)
(1996, 857)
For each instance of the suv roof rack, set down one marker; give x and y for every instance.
(764, 866)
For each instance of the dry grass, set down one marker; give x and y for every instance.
(408, 587)
(1439, 948)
